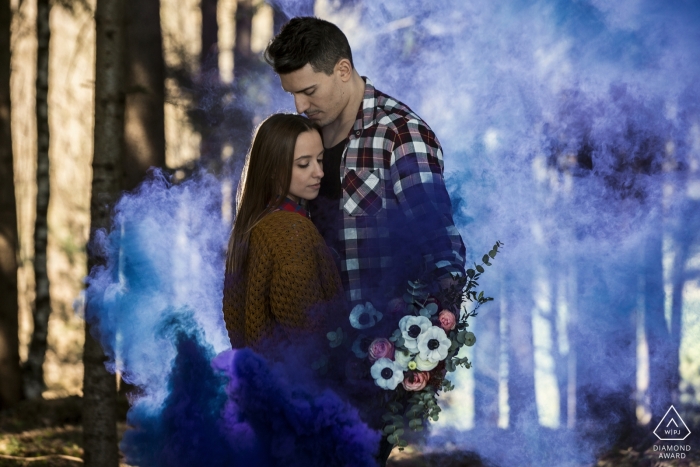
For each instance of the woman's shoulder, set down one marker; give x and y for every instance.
(283, 226)
(285, 220)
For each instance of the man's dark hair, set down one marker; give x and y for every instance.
(307, 40)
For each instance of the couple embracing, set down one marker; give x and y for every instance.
(336, 210)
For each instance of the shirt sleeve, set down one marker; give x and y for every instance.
(417, 179)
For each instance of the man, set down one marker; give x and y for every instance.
(382, 207)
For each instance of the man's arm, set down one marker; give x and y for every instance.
(417, 179)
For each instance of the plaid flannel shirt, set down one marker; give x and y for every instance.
(394, 205)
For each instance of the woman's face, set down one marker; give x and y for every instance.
(307, 167)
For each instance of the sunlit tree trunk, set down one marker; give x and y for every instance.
(99, 388)
(10, 373)
(663, 364)
(144, 115)
(521, 357)
(34, 374)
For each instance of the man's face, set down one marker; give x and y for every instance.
(317, 95)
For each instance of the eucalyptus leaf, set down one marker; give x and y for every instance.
(432, 308)
(469, 339)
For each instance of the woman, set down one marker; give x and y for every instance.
(280, 277)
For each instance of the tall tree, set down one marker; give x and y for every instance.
(521, 355)
(245, 71)
(41, 310)
(210, 35)
(144, 114)
(99, 387)
(10, 373)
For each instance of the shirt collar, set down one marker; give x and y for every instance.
(366, 116)
(292, 206)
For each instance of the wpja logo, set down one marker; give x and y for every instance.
(672, 428)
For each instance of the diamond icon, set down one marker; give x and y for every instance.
(672, 427)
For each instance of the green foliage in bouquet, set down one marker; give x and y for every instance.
(410, 409)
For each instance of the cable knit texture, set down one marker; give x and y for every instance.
(289, 283)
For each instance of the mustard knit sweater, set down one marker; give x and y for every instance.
(289, 275)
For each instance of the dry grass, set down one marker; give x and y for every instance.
(48, 433)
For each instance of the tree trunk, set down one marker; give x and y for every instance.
(209, 58)
(99, 388)
(245, 73)
(33, 372)
(242, 54)
(486, 369)
(663, 364)
(10, 373)
(521, 358)
(144, 115)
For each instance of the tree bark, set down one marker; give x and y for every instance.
(99, 388)
(144, 114)
(242, 53)
(10, 372)
(209, 58)
(245, 72)
(33, 369)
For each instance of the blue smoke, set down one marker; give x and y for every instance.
(156, 308)
(571, 132)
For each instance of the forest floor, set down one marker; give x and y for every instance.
(48, 433)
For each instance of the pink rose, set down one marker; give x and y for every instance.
(416, 380)
(447, 320)
(381, 348)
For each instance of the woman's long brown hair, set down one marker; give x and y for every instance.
(265, 180)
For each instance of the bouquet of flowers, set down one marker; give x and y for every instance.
(413, 361)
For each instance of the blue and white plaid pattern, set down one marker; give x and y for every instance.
(392, 179)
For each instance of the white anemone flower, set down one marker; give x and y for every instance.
(387, 374)
(401, 358)
(364, 316)
(433, 344)
(411, 328)
(423, 365)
